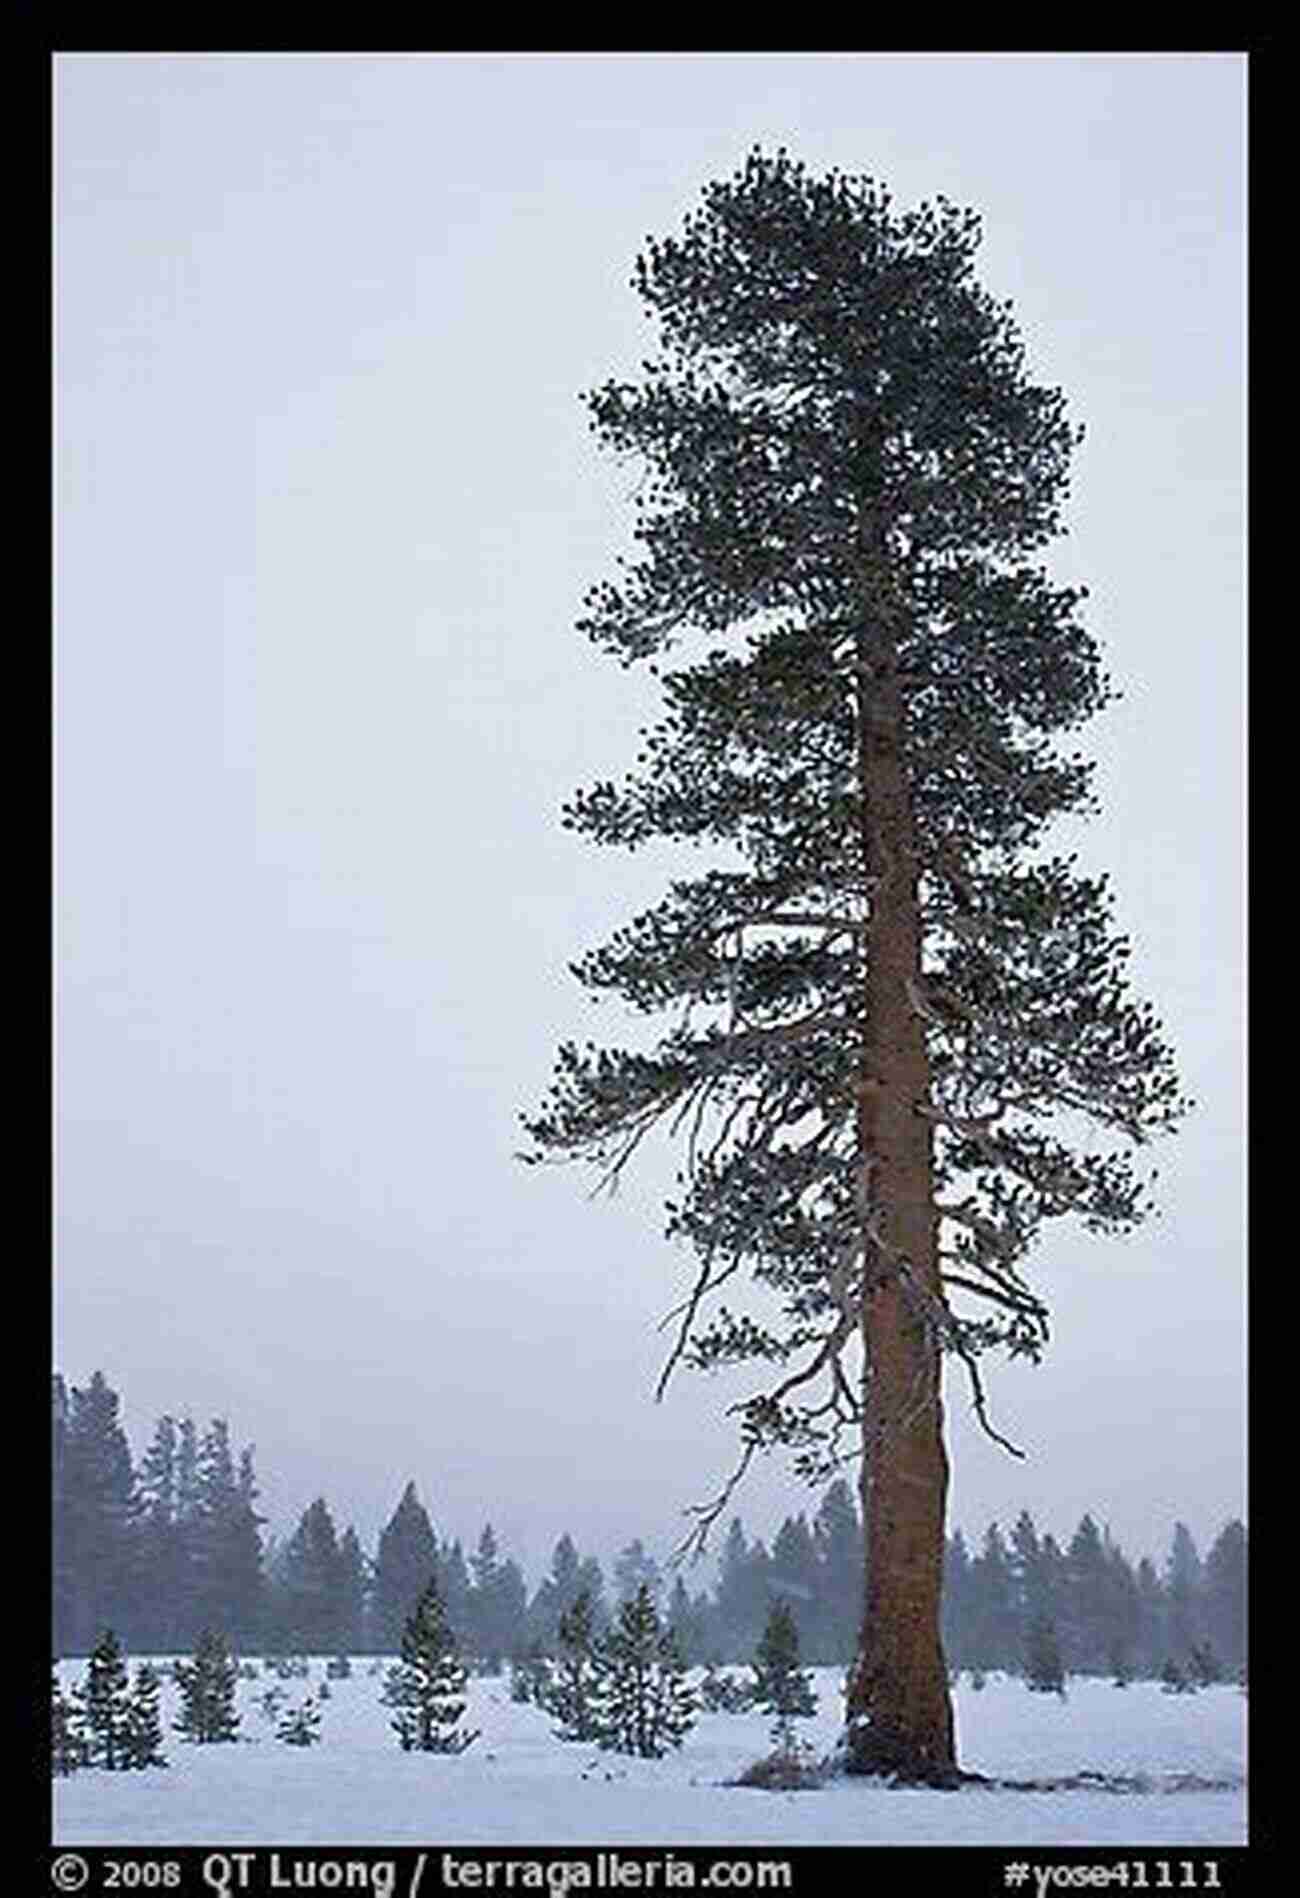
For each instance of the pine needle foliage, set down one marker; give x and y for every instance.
(781, 1687)
(890, 1020)
(643, 1704)
(104, 1703)
(839, 433)
(571, 1695)
(1044, 1667)
(301, 1725)
(208, 1683)
(68, 1751)
(427, 1687)
(143, 1738)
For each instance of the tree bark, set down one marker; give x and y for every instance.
(899, 1711)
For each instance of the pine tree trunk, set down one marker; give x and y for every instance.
(899, 1713)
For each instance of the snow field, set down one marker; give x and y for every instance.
(518, 1785)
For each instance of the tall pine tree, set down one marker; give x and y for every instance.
(887, 996)
(407, 1554)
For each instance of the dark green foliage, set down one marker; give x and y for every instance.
(408, 1552)
(841, 443)
(1120, 1666)
(1044, 1669)
(530, 1676)
(427, 1687)
(719, 1692)
(1224, 1584)
(1203, 1665)
(780, 1688)
(67, 1742)
(207, 1684)
(1174, 1678)
(497, 1604)
(642, 1703)
(571, 1694)
(95, 1513)
(634, 1568)
(314, 1606)
(300, 1725)
(105, 1705)
(143, 1737)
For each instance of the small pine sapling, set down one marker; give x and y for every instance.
(642, 1701)
(1044, 1668)
(68, 1749)
(270, 1702)
(571, 1695)
(427, 1687)
(780, 1688)
(1203, 1664)
(105, 1705)
(143, 1736)
(720, 1692)
(300, 1725)
(1174, 1679)
(530, 1676)
(207, 1685)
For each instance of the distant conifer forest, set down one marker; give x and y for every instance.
(163, 1546)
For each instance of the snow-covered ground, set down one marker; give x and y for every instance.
(518, 1785)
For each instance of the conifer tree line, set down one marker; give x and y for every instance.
(166, 1549)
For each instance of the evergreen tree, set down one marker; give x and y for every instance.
(454, 1584)
(838, 1535)
(105, 1705)
(94, 1519)
(888, 1022)
(143, 1736)
(958, 1602)
(300, 1725)
(1044, 1669)
(724, 1693)
(497, 1604)
(406, 1558)
(314, 1597)
(351, 1593)
(642, 1702)
(1224, 1594)
(1174, 1678)
(68, 1751)
(530, 1675)
(555, 1596)
(160, 1564)
(742, 1593)
(635, 1568)
(208, 1683)
(1182, 1592)
(688, 1621)
(1087, 1599)
(994, 1626)
(571, 1696)
(780, 1688)
(1150, 1618)
(225, 1538)
(591, 1580)
(1203, 1664)
(427, 1687)
(793, 1571)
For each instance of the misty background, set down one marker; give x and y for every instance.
(326, 508)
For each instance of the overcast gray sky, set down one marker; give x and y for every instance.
(326, 510)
